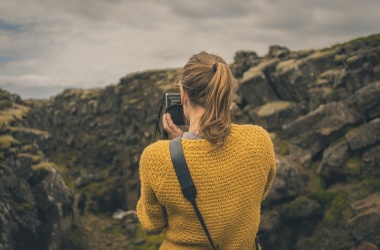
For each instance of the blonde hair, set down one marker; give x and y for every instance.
(209, 83)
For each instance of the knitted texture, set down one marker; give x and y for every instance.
(231, 183)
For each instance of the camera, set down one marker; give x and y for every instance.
(175, 108)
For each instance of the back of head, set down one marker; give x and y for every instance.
(209, 83)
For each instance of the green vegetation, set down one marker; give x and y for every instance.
(366, 41)
(338, 208)
(9, 115)
(153, 241)
(372, 185)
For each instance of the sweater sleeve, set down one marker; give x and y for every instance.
(271, 161)
(150, 211)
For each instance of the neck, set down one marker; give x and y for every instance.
(195, 115)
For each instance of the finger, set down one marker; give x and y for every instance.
(165, 123)
(171, 125)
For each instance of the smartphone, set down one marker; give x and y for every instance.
(175, 108)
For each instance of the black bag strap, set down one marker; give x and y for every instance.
(186, 182)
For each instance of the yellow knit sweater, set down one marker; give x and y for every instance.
(231, 182)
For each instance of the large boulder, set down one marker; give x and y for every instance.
(332, 167)
(293, 78)
(371, 161)
(255, 88)
(273, 115)
(365, 135)
(289, 182)
(243, 61)
(313, 132)
(368, 100)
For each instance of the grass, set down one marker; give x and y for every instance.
(43, 165)
(35, 158)
(7, 141)
(9, 115)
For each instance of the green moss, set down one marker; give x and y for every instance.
(371, 41)
(371, 184)
(314, 183)
(333, 96)
(338, 209)
(153, 241)
(77, 239)
(283, 147)
(309, 243)
(99, 191)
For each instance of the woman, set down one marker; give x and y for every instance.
(232, 166)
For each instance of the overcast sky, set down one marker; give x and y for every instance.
(49, 45)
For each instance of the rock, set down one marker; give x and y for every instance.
(278, 51)
(293, 78)
(311, 133)
(273, 115)
(255, 88)
(83, 181)
(301, 155)
(300, 208)
(331, 78)
(319, 96)
(367, 246)
(289, 182)
(368, 100)
(371, 161)
(365, 135)
(270, 220)
(334, 159)
(243, 61)
(366, 224)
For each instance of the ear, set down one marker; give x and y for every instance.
(183, 95)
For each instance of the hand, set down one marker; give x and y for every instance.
(172, 129)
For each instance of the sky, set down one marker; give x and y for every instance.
(47, 46)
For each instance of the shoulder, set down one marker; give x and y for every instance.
(156, 149)
(249, 129)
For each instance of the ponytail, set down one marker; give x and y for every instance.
(209, 83)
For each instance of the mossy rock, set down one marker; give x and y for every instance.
(273, 107)
(338, 210)
(300, 208)
(35, 158)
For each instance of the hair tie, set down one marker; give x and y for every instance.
(215, 67)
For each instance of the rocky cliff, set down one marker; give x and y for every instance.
(322, 108)
(35, 203)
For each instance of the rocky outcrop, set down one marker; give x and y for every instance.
(321, 108)
(35, 203)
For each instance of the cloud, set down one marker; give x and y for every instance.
(89, 43)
